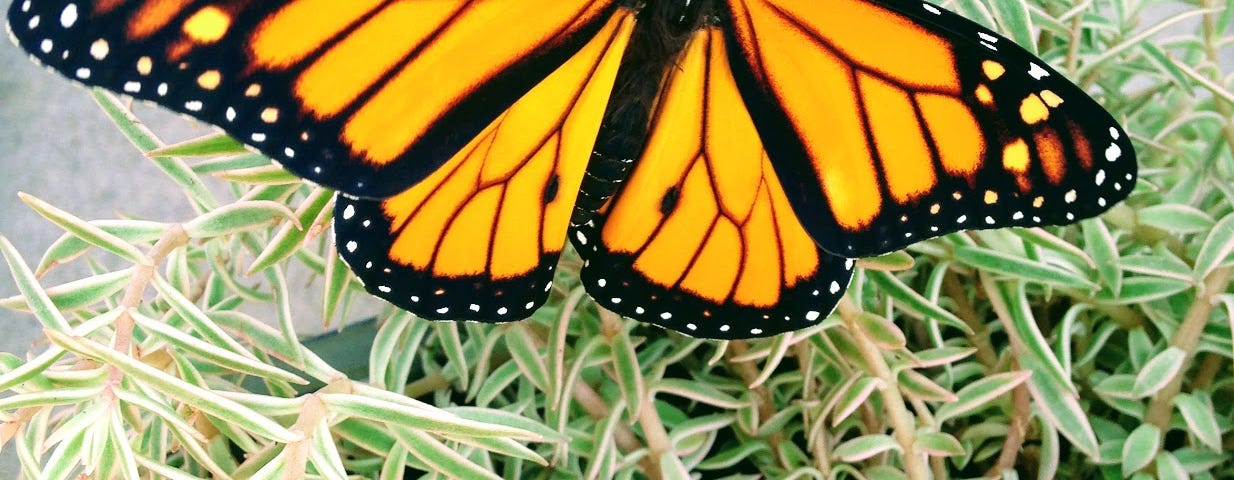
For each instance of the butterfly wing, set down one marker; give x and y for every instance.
(898, 121)
(365, 96)
(479, 237)
(701, 238)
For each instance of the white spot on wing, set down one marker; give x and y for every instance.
(99, 49)
(1113, 152)
(1037, 71)
(68, 16)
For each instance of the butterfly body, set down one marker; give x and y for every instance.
(714, 162)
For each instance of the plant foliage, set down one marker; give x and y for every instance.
(1097, 350)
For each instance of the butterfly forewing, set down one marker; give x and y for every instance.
(365, 96)
(898, 121)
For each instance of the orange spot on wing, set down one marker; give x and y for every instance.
(870, 36)
(303, 26)
(666, 258)
(960, 142)
(714, 273)
(1033, 110)
(732, 143)
(907, 163)
(633, 219)
(1082, 148)
(353, 65)
(427, 208)
(984, 95)
(153, 16)
(465, 246)
(1052, 154)
(1052, 99)
(102, 7)
(207, 25)
(1016, 152)
(518, 244)
(816, 89)
(209, 80)
(993, 70)
(391, 121)
(761, 274)
(801, 258)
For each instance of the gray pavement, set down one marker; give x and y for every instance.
(56, 144)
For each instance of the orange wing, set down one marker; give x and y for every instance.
(899, 121)
(701, 238)
(366, 96)
(478, 238)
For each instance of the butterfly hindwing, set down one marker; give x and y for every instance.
(479, 238)
(365, 96)
(899, 121)
(701, 238)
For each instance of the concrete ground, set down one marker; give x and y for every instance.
(56, 144)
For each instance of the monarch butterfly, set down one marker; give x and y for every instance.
(716, 163)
